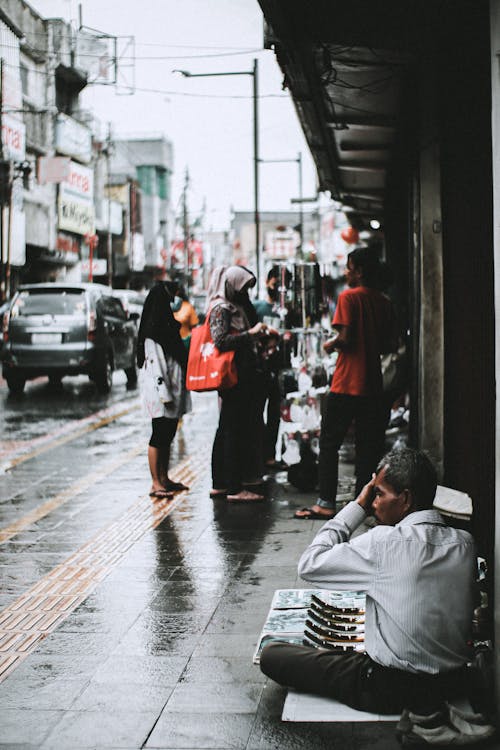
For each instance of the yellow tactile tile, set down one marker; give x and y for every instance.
(39, 611)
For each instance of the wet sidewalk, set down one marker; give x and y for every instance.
(158, 614)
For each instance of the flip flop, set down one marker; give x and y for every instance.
(175, 486)
(309, 514)
(161, 495)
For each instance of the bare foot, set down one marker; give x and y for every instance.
(315, 512)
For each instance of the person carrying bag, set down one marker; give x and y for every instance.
(236, 453)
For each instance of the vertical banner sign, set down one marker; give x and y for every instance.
(17, 225)
(76, 201)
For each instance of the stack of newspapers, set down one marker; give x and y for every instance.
(333, 620)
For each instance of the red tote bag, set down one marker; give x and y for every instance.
(208, 369)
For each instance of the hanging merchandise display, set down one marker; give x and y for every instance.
(306, 371)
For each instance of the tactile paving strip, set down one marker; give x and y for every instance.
(42, 608)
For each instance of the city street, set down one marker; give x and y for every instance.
(129, 624)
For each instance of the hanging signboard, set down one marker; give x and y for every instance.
(76, 201)
(53, 169)
(73, 138)
(13, 138)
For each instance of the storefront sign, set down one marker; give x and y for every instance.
(67, 244)
(13, 138)
(76, 201)
(73, 138)
(99, 267)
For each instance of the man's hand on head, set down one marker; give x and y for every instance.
(367, 495)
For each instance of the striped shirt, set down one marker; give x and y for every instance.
(418, 577)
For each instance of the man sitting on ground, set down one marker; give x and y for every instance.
(418, 575)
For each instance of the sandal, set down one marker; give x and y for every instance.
(175, 486)
(305, 514)
(161, 495)
(245, 497)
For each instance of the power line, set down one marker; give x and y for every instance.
(249, 51)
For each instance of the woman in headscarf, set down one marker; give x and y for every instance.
(234, 327)
(162, 358)
(215, 286)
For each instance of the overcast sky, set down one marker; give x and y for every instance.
(208, 120)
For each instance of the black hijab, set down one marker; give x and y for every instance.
(158, 323)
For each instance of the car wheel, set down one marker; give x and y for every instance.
(131, 373)
(15, 383)
(103, 377)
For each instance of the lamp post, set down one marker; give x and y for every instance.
(298, 161)
(255, 75)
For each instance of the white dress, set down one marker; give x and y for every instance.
(162, 384)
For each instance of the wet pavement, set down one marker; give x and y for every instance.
(130, 624)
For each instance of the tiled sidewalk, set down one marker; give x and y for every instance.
(159, 653)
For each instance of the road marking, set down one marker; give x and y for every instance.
(68, 432)
(68, 494)
(41, 609)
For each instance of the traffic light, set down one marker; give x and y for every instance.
(5, 182)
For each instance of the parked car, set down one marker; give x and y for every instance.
(67, 329)
(132, 301)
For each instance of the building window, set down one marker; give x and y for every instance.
(163, 183)
(147, 181)
(24, 79)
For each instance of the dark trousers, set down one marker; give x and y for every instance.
(237, 448)
(341, 410)
(357, 681)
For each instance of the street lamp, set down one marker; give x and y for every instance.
(255, 75)
(298, 161)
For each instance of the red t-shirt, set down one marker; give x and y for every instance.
(368, 314)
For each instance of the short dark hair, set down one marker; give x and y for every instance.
(410, 469)
(367, 260)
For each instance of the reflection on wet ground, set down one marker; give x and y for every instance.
(159, 653)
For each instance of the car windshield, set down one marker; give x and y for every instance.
(64, 302)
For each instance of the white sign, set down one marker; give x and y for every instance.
(280, 244)
(73, 138)
(137, 256)
(17, 238)
(13, 138)
(99, 267)
(95, 55)
(76, 201)
(53, 169)
(112, 216)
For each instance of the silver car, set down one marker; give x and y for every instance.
(67, 329)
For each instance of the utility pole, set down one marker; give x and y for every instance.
(185, 225)
(256, 166)
(301, 209)
(109, 243)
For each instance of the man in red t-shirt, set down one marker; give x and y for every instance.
(364, 319)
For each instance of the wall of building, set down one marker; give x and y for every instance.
(495, 122)
(469, 327)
